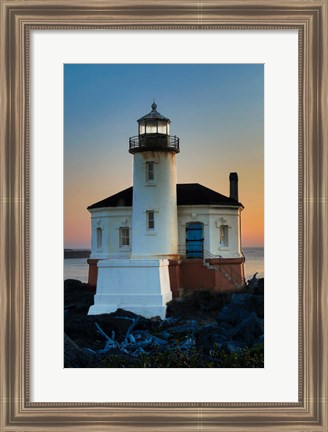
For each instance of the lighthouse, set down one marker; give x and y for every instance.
(158, 238)
(154, 214)
(141, 283)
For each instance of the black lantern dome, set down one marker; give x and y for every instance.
(154, 134)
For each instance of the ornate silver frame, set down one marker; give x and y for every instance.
(18, 18)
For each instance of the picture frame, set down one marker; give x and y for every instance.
(18, 18)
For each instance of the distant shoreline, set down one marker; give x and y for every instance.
(76, 253)
(85, 253)
(76, 266)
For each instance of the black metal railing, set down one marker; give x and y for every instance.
(222, 263)
(235, 276)
(154, 142)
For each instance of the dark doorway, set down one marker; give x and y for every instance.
(194, 240)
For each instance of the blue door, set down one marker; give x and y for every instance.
(194, 240)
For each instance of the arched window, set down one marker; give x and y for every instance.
(99, 238)
(224, 237)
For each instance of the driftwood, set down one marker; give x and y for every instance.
(238, 325)
(232, 322)
(142, 341)
(129, 344)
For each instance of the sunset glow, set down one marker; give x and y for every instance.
(216, 110)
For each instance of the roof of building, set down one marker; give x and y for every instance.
(187, 194)
(154, 115)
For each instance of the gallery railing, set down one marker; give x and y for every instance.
(154, 142)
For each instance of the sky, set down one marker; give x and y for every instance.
(217, 111)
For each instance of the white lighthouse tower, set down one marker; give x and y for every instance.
(154, 211)
(141, 284)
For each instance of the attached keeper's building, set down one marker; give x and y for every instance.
(160, 238)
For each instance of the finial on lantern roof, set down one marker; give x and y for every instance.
(154, 134)
(154, 115)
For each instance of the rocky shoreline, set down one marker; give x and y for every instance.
(76, 253)
(203, 329)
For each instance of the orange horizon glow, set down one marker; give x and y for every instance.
(216, 110)
(77, 231)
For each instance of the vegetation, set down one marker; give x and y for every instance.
(248, 358)
(203, 329)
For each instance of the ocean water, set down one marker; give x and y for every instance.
(254, 262)
(77, 268)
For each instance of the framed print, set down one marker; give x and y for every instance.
(277, 385)
(39, 39)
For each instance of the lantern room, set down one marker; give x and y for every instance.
(154, 134)
(154, 123)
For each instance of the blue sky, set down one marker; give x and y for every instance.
(216, 110)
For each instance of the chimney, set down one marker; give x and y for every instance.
(233, 178)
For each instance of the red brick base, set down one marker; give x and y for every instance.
(93, 273)
(215, 274)
(175, 277)
(193, 274)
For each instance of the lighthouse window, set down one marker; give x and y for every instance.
(124, 236)
(224, 236)
(162, 127)
(99, 238)
(150, 175)
(150, 219)
(151, 127)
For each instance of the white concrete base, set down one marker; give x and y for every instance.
(141, 286)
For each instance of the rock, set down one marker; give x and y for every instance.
(187, 326)
(260, 306)
(82, 330)
(75, 357)
(255, 286)
(208, 336)
(206, 300)
(234, 347)
(248, 331)
(240, 307)
(246, 300)
(250, 303)
(200, 324)
(151, 324)
(260, 340)
(164, 334)
(77, 295)
(232, 314)
(225, 327)
(118, 322)
(259, 287)
(200, 304)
